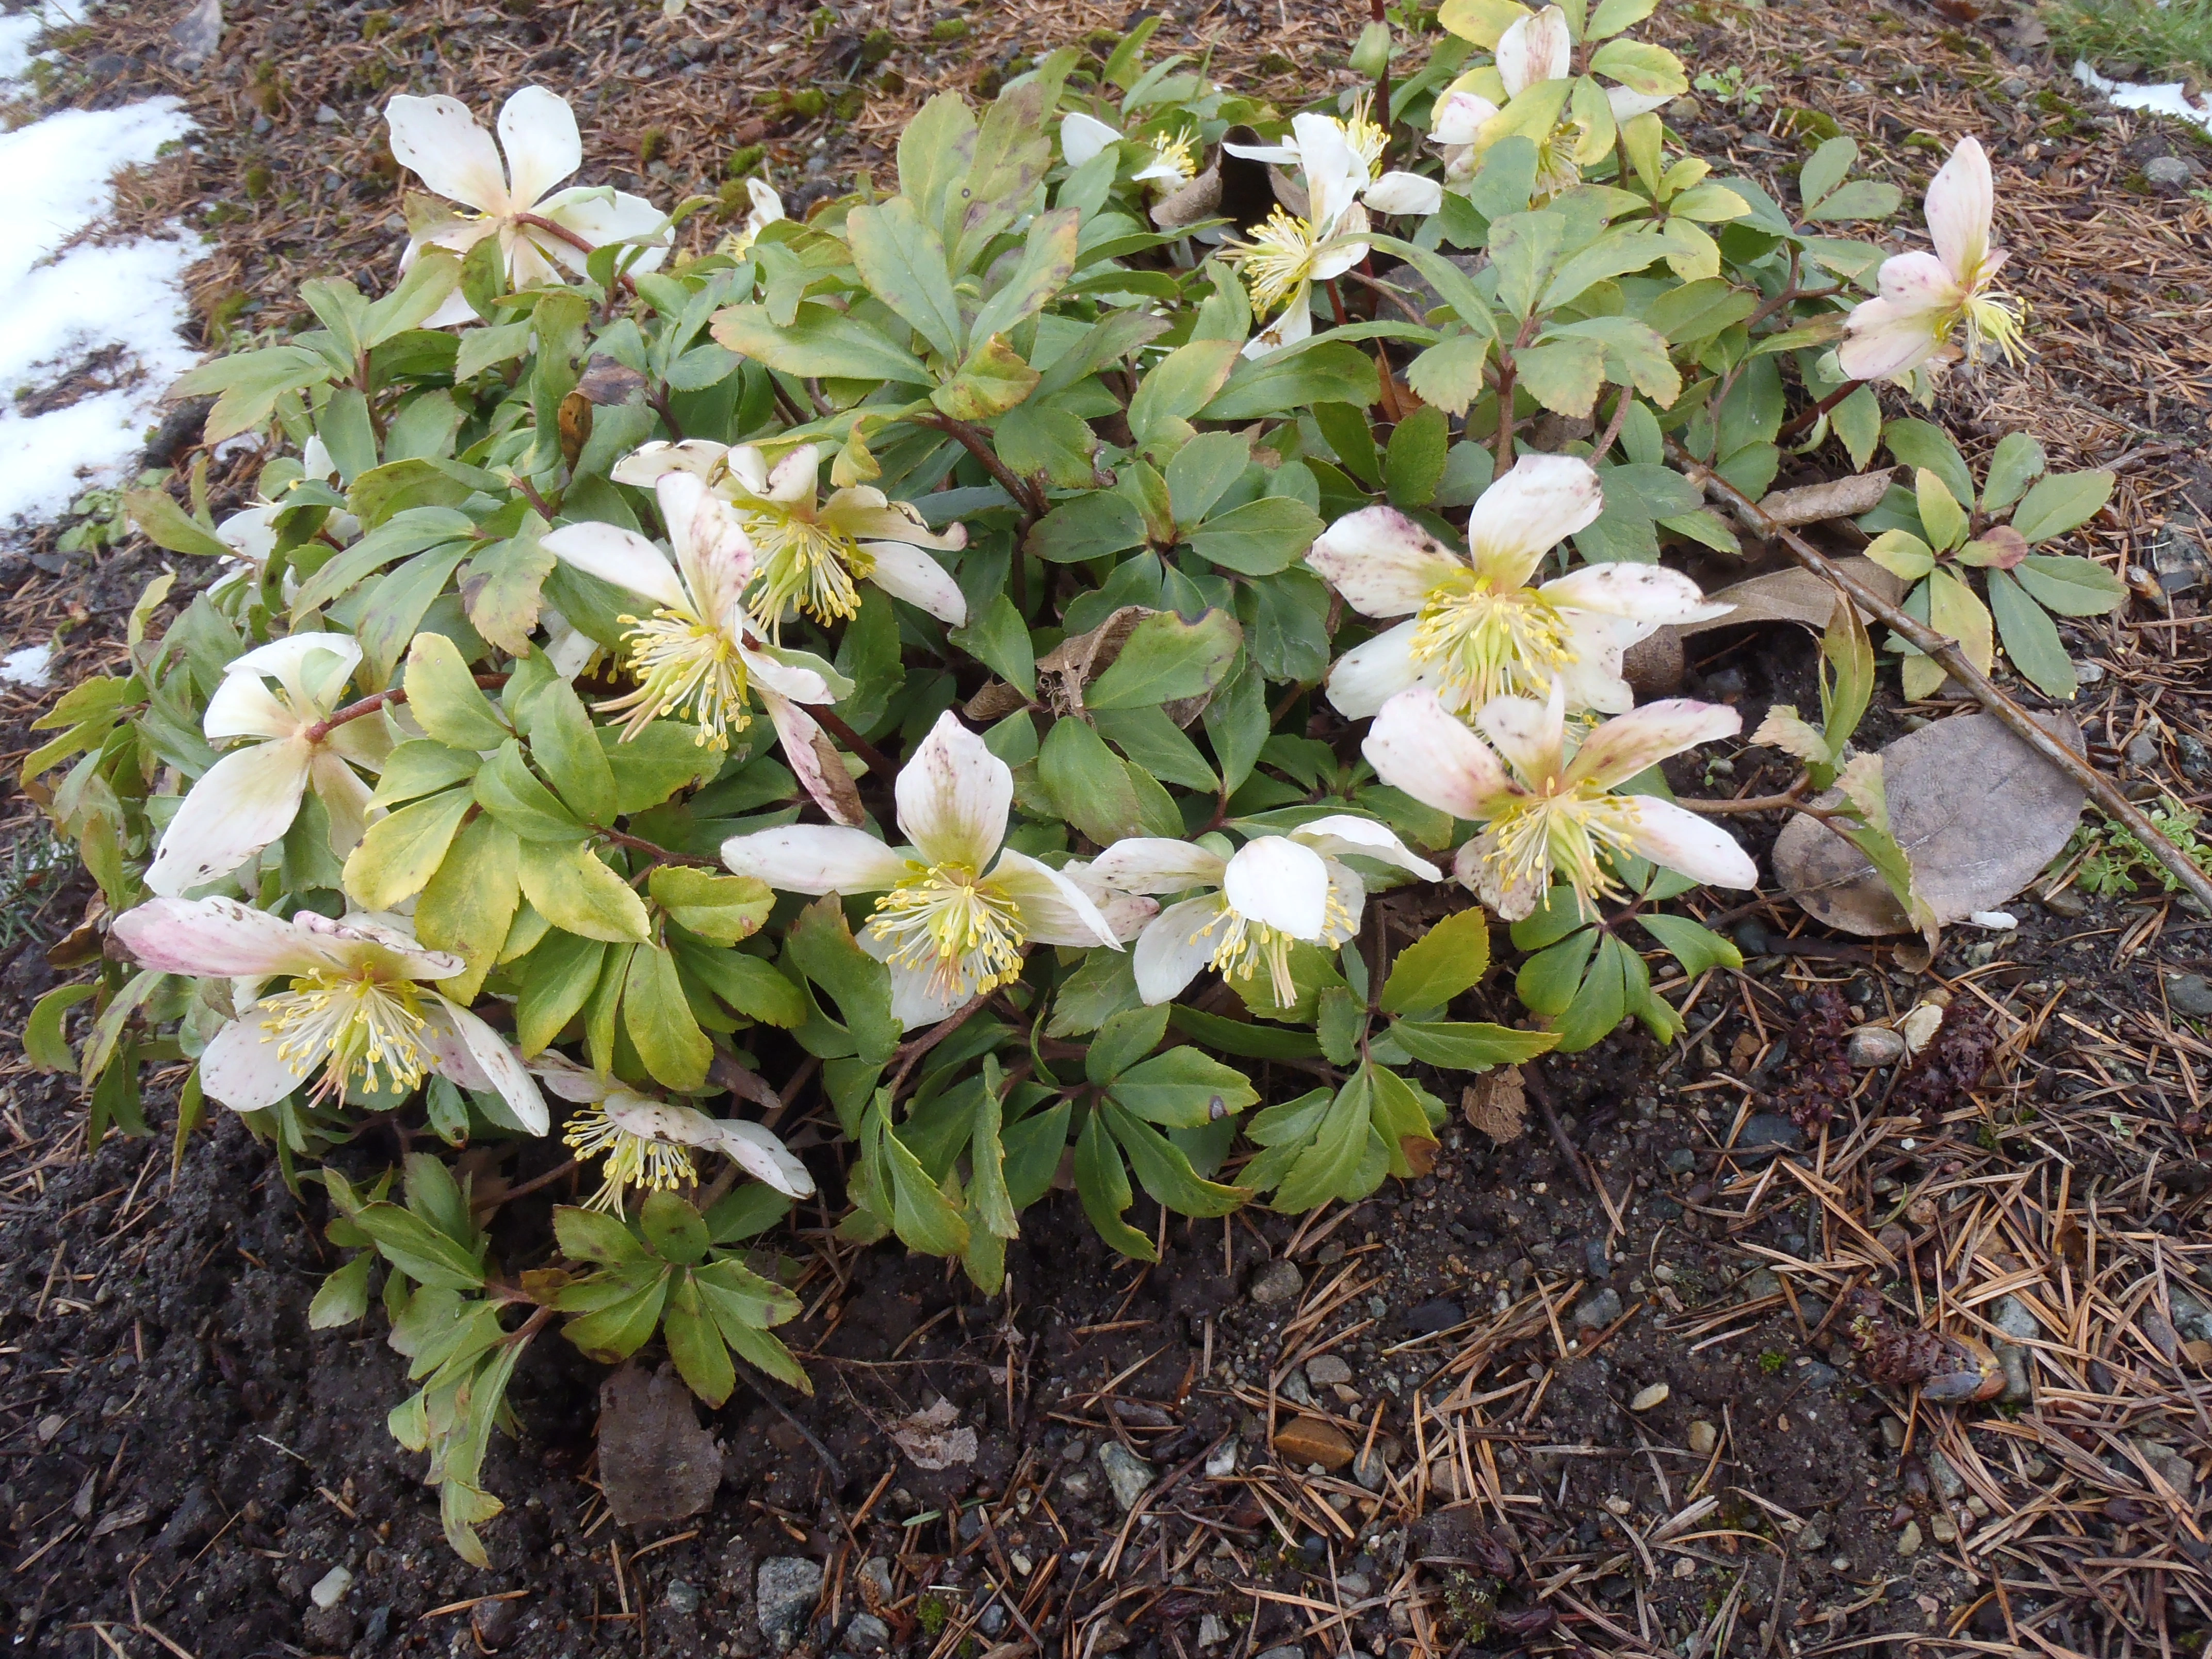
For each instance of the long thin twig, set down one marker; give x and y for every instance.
(2101, 789)
(972, 439)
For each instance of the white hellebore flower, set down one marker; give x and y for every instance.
(251, 533)
(1084, 136)
(1549, 814)
(1385, 192)
(539, 227)
(1273, 892)
(249, 797)
(647, 1142)
(809, 553)
(694, 656)
(1475, 630)
(357, 1009)
(768, 208)
(1288, 254)
(1926, 297)
(958, 906)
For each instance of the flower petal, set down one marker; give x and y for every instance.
(1348, 894)
(866, 515)
(1918, 281)
(816, 859)
(1172, 950)
(1886, 339)
(760, 1154)
(713, 553)
(311, 667)
(462, 1043)
(1532, 735)
(1693, 846)
(1404, 193)
(1154, 863)
(1592, 676)
(786, 672)
(907, 572)
(748, 469)
(1383, 562)
(1648, 593)
(599, 221)
(1083, 137)
(1295, 324)
(1280, 155)
(1055, 910)
(1126, 914)
(568, 1081)
(1369, 675)
(1513, 900)
(242, 1067)
(953, 797)
(251, 534)
(216, 939)
(1334, 174)
(1626, 106)
(797, 477)
(1343, 833)
(1543, 500)
(1961, 198)
(1419, 745)
(1276, 880)
(1622, 747)
(537, 130)
(242, 803)
(345, 798)
(914, 998)
(1459, 116)
(813, 757)
(244, 707)
(439, 141)
(1534, 49)
(644, 466)
(618, 555)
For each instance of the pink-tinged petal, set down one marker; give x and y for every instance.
(1404, 193)
(245, 800)
(439, 141)
(953, 797)
(1419, 745)
(761, 1155)
(713, 553)
(570, 1081)
(242, 1068)
(1621, 748)
(1459, 116)
(1477, 871)
(797, 477)
(1348, 894)
(1534, 49)
(1083, 137)
(1917, 280)
(1532, 735)
(1887, 340)
(537, 130)
(600, 220)
(345, 798)
(216, 939)
(1154, 863)
(1055, 910)
(1693, 846)
(1383, 562)
(652, 1118)
(1127, 914)
(1275, 880)
(457, 1035)
(1648, 593)
(1543, 500)
(1369, 675)
(644, 466)
(379, 942)
(618, 555)
(244, 707)
(1592, 677)
(816, 859)
(1173, 950)
(1961, 198)
(813, 759)
(907, 572)
(748, 469)
(1342, 834)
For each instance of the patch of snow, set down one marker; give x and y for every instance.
(17, 31)
(32, 666)
(2168, 98)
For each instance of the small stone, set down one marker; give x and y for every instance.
(326, 117)
(992, 1620)
(1079, 1484)
(1600, 1310)
(1076, 1450)
(1212, 1633)
(1276, 1284)
(876, 1581)
(1948, 1485)
(1681, 1161)
(682, 1597)
(2019, 1389)
(1326, 1370)
(1293, 1388)
(1874, 1045)
(1703, 1436)
(1818, 1375)
(1370, 1470)
(867, 1633)
(2089, 673)
(378, 1626)
(2143, 749)
(2066, 902)
(1893, 1434)
(1814, 1537)
(1760, 1282)
(783, 1598)
(1942, 1529)
(1919, 1026)
(1432, 1316)
(1128, 1473)
(1767, 1129)
(329, 1589)
(1647, 1397)
(2188, 993)
(2166, 170)
(1221, 1461)
(1288, 1650)
(1908, 1541)
(1355, 1585)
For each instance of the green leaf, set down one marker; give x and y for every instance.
(1449, 376)
(1325, 372)
(1101, 1183)
(1957, 612)
(1164, 658)
(1086, 527)
(650, 767)
(1563, 375)
(418, 1249)
(935, 151)
(1156, 746)
(992, 380)
(1635, 355)
(1259, 538)
(2071, 587)
(573, 890)
(1122, 1041)
(999, 640)
(1236, 1036)
(2017, 460)
(342, 1296)
(1450, 958)
(468, 905)
(1941, 515)
(1202, 470)
(592, 1236)
(659, 1022)
(44, 1044)
(425, 286)
(674, 1229)
(1862, 198)
(825, 951)
(1903, 554)
(1327, 1167)
(1652, 70)
(250, 384)
(168, 526)
(694, 1344)
(1696, 948)
(500, 587)
(1164, 1170)
(1825, 168)
(1048, 254)
(1918, 445)
(557, 978)
(901, 259)
(1179, 386)
(1183, 1089)
(443, 697)
(1469, 1046)
(1858, 422)
(721, 909)
(396, 859)
(921, 1215)
(1413, 463)
(507, 789)
(2031, 638)
(613, 1332)
(2060, 502)
(1086, 784)
(563, 741)
(993, 1204)
(821, 342)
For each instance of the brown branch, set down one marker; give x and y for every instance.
(658, 853)
(2101, 789)
(910, 1053)
(392, 698)
(1613, 426)
(1389, 292)
(1788, 797)
(1025, 494)
(1805, 417)
(828, 720)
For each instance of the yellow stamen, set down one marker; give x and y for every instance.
(632, 1159)
(798, 562)
(1365, 140)
(1174, 151)
(682, 663)
(360, 1025)
(1278, 260)
(963, 930)
(1246, 945)
(1568, 833)
(1997, 320)
(1482, 642)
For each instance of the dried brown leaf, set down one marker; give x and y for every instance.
(930, 1438)
(1497, 1103)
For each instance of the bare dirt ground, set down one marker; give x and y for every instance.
(1430, 1424)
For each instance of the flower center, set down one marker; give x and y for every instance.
(1365, 140)
(1279, 260)
(633, 1159)
(1988, 318)
(1568, 833)
(357, 1025)
(948, 920)
(682, 663)
(796, 562)
(1481, 643)
(1245, 945)
(1174, 153)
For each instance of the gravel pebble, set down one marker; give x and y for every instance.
(1908, 1541)
(1649, 1396)
(1128, 1473)
(1276, 1284)
(1874, 1045)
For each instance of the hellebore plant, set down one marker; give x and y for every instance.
(647, 1143)
(1084, 136)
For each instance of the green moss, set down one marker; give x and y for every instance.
(932, 1612)
(848, 104)
(651, 146)
(745, 159)
(877, 45)
(1772, 1362)
(945, 29)
(1273, 62)
(1814, 126)
(259, 179)
(891, 81)
(808, 101)
(376, 23)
